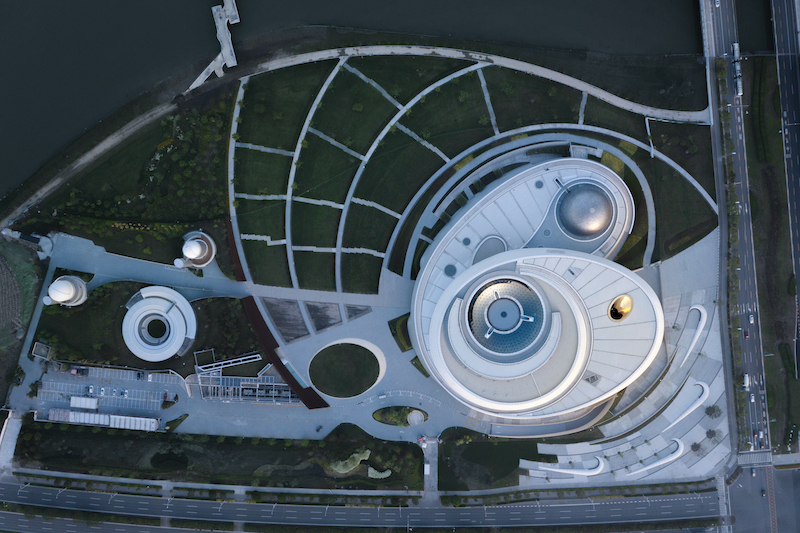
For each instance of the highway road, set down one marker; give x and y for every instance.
(786, 49)
(562, 512)
(746, 304)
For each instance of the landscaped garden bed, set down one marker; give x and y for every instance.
(234, 460)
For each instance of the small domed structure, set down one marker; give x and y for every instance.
(585, 211)
(68, 291)
(194, 248)
(198, 250)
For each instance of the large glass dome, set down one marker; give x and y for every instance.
(505, 316)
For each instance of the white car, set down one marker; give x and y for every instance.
(751, 319)
(752, 398)
(102, 391)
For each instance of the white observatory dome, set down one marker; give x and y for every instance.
(194, 249)
(61, 290)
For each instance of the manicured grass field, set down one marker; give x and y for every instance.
(454, 118)
(277, 103)
(689, 145)
(599, 113)
(366, 227)
(353, 112)
(361, 273)
(268, 264)
(396, 171)
(315, 270)
(262, 217)
(314, 225)
(343, 370)
(403, 77)
(521, 99)
(261, 173)
(325, 171)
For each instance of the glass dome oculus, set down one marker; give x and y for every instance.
(505, 316)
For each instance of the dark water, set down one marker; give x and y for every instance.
(755, 25)
(66, 65)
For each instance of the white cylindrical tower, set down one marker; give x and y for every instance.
(68, 291)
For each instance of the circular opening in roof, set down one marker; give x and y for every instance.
(620, 307)
(584, 211)
(504, 317)
(466, 241)
(157, 328)
(539, 184)
(450, 270)
(547, 232)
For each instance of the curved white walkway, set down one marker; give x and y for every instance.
(694, 117)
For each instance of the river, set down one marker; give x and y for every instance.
(69, 64)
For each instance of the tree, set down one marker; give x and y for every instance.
(713, 411)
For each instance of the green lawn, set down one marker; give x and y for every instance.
(210, 459)
(262, 217)
(268, 264)
(454, 118)
(315, 270)
(228, 332)
(325, 171)
(470, 460)
(396, 171)
(314, 225)
(261, 173)
(92, 332)
(771, 240)
(361, 273)
(343, 370)
(689, 145)
(683, 217)
(632, 252)
(139, 199)
(366, 227)
(604, 115)
(521, 99)
(277, 103)
(353, 112)
(404, 77)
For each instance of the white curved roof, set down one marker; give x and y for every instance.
(586, 360)
(164, 305)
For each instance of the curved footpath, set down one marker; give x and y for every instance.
(695, 117)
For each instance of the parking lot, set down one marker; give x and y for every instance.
(145, 391)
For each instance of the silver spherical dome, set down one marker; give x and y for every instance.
(585, 210)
